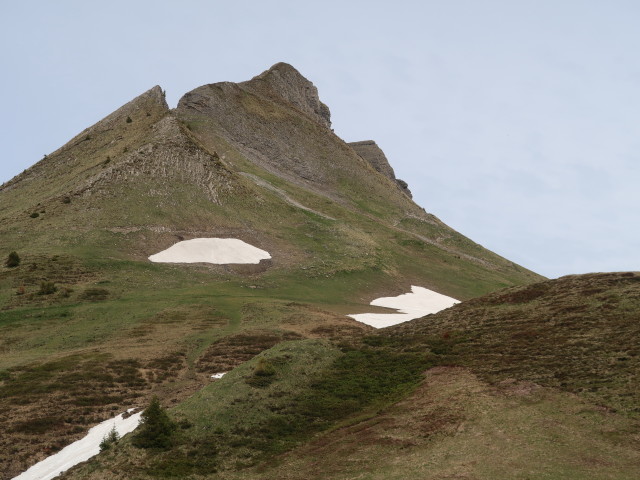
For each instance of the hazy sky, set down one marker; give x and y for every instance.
(515, 122)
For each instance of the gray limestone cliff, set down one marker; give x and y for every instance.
(284, 81)
(373, 154)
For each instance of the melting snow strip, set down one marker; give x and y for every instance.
(81, 450)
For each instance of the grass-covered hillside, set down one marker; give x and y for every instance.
(89, 326)
(469, 392)
(579, 333)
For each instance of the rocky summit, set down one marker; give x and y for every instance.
(196, 268)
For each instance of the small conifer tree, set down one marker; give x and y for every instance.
(109, 439)
(156, 428)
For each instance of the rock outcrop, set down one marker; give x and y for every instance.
(373, 154)
(286, 82)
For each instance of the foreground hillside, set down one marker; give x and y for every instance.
(89, 327)
(578, 333)
(469, 392)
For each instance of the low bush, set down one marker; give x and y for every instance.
(13, 260)
(95, 294)
(263, 374)
(47, 288)
(66, 292)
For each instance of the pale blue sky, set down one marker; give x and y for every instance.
(515, 122)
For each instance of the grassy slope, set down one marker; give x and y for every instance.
(123, 189)
(562, 406)
(578, 333)
(541, 390)
(457, 426)
(231, 422)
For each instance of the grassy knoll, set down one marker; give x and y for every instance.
(269, 405)
(457, 426)
(578, 334)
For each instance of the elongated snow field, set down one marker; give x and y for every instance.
(81, 450)
(420, 302)
(219, 251)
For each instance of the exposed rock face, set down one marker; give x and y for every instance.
(169, 157)
(373, 154)
(286, 82)
(146, 109)
(277, 121)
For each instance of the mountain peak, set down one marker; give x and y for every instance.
(284, 81)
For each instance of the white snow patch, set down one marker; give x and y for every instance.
(218, 375)
(420, 302)
(211, 250)
(81, 450)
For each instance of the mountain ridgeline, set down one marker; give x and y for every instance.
(90, 327)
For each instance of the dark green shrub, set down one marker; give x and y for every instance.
(47, 288)
(13, 260)
(264, 368)
(66, 199)
(129, 120)
(263, 374)
(156, 428)
(34, 215)
(66, 292)
(184, 424)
